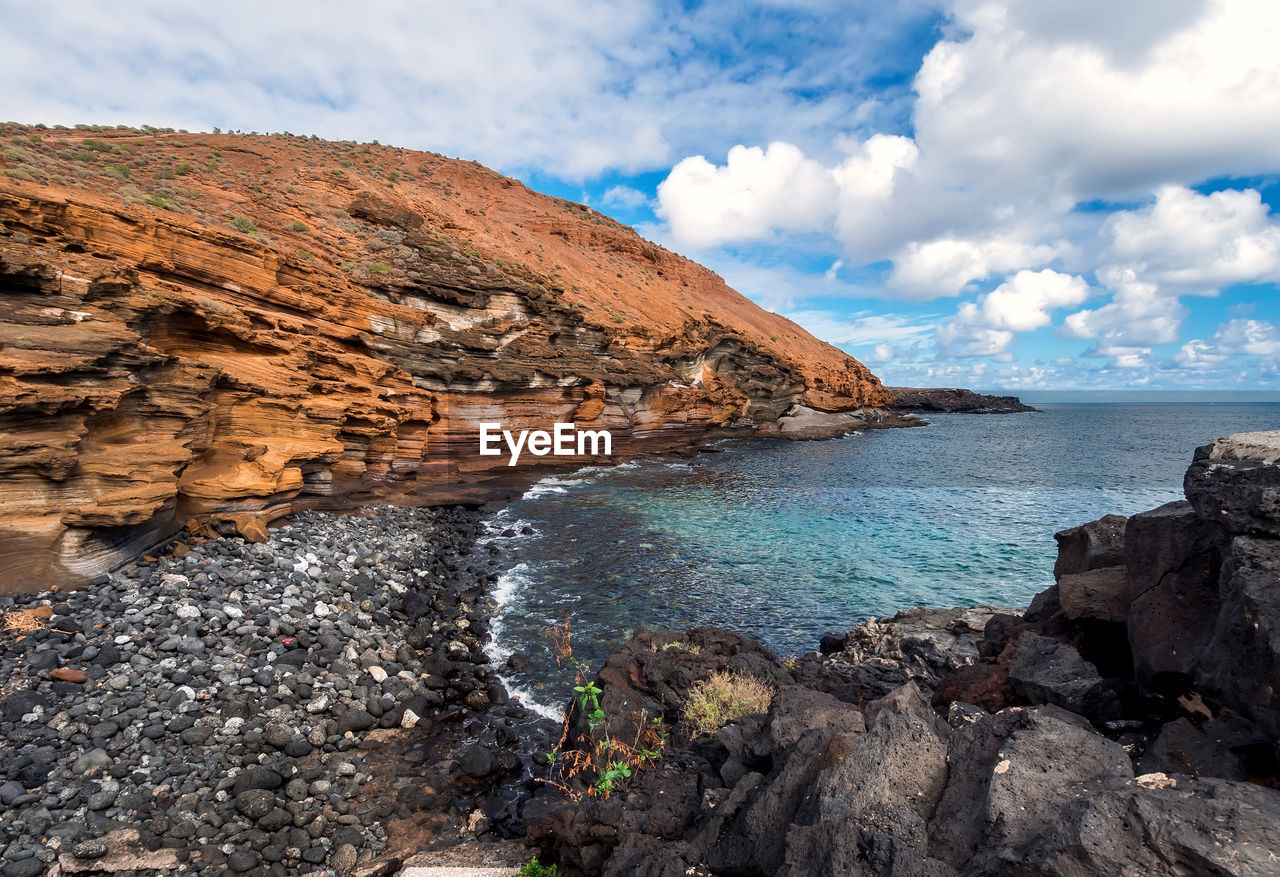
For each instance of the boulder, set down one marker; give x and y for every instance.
(1015, 779)
(1173, 561)
(1101, 594)
(1046, 671)
(1157, 824)
(1235, 483)
(1183, 748)
(1240, 665)
(1090, 546)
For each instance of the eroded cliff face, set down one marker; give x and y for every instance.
(215, 330)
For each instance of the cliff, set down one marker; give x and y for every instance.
(216, 330)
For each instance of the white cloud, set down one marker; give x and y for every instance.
(941, 267)
(1021, 100)
(624, 196)
(968, 334)
(755, 193)
(882, 353)
(1238, 337)
(1021, 304)
(570, 88)
(1198, 243)
(1139, 315)
(1185, 243)
(1026, 109)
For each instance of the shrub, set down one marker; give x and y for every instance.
(244, 224)
(183, 168)
(299, 225)
(534, 868)
(95, 145)
(162, 200)
(722, 698)
(380, 268)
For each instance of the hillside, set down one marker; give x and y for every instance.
(215, 330)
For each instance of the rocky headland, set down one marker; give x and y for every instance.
(213, 331)
(1127, 722)
(948, 400)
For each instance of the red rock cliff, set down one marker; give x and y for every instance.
(213, 330)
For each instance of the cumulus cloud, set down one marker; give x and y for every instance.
(754, 194)
(1196, 242)
(1026, 109)
(1185, 243)
(1018, 98)
(1023, 303)
(1238, 337)
(943, 267)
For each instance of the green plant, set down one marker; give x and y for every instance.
(618, 318)
(244, 224)
(161, 200)
(603, 760)
(589, 700)
(299, 225)
(615, 773)
(380, 268)
(183, 168)
(722, 698)
(534, 868)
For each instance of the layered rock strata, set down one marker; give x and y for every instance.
(216, 330)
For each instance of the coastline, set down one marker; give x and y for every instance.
(1126, 721)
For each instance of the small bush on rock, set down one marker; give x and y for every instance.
(722, 698)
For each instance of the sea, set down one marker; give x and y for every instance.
(787, 541)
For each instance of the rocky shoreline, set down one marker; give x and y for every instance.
(1128, 722)
(323, 703)
(296, 706)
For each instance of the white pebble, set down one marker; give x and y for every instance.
(409, 719)
(378, 674)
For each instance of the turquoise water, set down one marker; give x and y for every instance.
(786, 541)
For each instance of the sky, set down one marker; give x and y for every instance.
(999, 194)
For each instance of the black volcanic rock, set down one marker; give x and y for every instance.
(947, 400)
(1137, 733)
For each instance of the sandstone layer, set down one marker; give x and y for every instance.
(213, 330)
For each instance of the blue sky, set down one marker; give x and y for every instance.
(990, 193)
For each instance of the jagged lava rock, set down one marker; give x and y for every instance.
(1235, 481)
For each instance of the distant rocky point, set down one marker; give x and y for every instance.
(949, 400)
